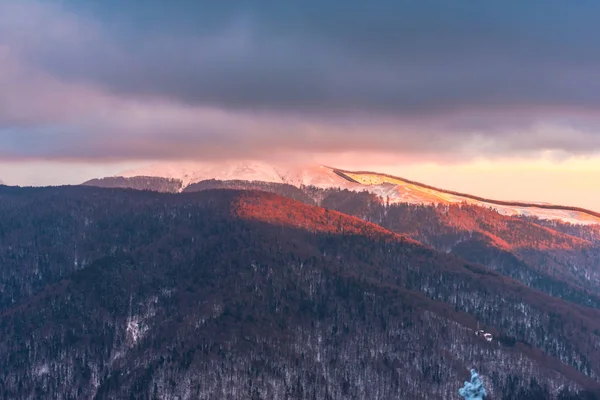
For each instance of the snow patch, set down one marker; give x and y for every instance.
(41, 370)
(135, 329)
(394, 190)
(193, 172)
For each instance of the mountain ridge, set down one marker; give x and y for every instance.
(478, 198)
(389, 187)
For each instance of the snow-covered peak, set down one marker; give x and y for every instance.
(192, 172)
(399, 190)
(313, 175)
(390, 188)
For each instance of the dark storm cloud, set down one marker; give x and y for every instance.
(418, 76)
(381, 56)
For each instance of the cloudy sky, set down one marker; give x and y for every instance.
(493, 98)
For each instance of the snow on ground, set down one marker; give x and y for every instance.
(192, 172)
(394, 189)
(400, 191)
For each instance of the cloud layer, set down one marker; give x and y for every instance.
(128, 80)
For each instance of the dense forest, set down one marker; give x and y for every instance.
(557, 258)
(152, 183)
(228, 294)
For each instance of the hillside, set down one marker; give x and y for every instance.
(390, 189)
(227, 294)
(153, 183)
(559, 259)
(408, 191)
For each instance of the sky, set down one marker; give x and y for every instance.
(498, 99)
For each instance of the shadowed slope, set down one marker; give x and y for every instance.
(123, 293)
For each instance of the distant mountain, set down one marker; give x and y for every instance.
(228, 294)
(282, 189)
(556, 257)
(194, 172)
(389, 188)
(153, 183)
(407, 191)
